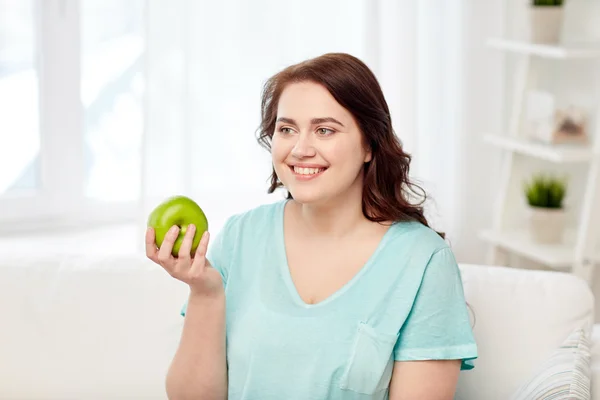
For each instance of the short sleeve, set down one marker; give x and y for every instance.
(218, 253)
(438, 326)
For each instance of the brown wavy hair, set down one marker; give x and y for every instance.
(387, 190)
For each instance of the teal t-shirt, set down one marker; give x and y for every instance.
(406, 303)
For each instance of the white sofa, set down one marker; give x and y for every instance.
(86, 327)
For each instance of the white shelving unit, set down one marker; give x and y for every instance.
(559, 257)
(572, 52)
(554, 153)
(578, 253)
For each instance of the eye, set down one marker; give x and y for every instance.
(325, 131)
(285, 130)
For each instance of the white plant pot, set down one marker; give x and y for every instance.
(545, 23)
(547, 224)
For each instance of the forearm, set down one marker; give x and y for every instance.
(198, 370)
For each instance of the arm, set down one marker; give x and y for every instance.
(425, 380)
(198, 369)
(436, 341)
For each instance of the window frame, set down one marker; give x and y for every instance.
(59, 200)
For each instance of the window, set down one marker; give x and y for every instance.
(111, 89)
(19, 114)
(71, 110)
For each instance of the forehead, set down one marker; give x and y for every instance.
(306, 100)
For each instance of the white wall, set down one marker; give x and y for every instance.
(483, 108)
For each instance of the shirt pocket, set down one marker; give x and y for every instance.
(369, 369)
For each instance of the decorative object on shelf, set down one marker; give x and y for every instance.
(545, 20)
(545, 195)
(552, 125)
(570, 126)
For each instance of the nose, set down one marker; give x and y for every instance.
(303, 147)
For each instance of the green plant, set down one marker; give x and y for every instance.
(545, 191)
(554, 3)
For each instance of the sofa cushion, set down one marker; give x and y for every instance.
(564, 375)
(106, 327)
(86, 327)
(520, 317)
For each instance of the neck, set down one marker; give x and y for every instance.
(334, 218)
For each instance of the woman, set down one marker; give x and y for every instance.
(340, 291)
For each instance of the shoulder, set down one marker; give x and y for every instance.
(414, 252)
(416, 239)
(255, 219)
(241, 230)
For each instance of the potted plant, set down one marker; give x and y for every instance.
(545, 19)
(545, 195)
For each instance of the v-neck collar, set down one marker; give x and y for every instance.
(285, 270)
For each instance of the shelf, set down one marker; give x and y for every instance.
(560, 153)
(546, 50)
(558, 257)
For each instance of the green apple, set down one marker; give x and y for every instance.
(180, 211)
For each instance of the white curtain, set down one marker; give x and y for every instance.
(207, 62)
(444, 88)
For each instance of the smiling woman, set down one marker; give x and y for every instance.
(364, 118)
(340, 291)
(327, 151)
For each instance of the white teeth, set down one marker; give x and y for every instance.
(307, 171)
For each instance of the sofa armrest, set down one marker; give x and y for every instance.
(595, 378)
(595, 362)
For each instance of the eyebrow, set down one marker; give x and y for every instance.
(313, 121)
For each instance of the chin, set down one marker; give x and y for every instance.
(304, 196)
(305, 199)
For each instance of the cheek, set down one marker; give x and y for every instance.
(346, 154)
(277, 149)
(280, 150)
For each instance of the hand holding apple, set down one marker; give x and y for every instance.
(173, 243)
(178, 211)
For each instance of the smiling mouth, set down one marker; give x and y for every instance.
(307, 172)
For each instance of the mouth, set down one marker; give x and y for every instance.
(304, 173)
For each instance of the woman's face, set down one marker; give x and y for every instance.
(317, 148)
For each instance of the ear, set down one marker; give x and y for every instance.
(368, 156)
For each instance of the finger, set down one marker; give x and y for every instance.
(151, 249)
(199, 257)
(186, 245)
(164, 253)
